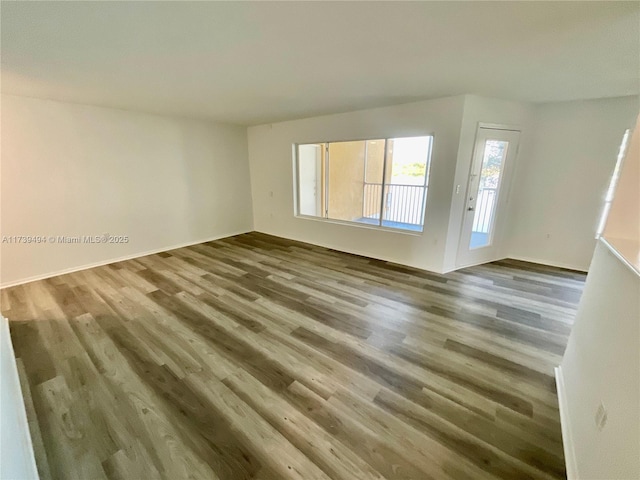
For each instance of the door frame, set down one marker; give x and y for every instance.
(462, 252)
(319, 181)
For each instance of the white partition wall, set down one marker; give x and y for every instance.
(16, 452)
(599, 379)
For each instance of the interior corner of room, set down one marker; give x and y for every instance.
(414, 236)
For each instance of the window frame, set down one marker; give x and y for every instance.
(324, 218)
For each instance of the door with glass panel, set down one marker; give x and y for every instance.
(487, 193)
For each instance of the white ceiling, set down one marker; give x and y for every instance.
(249, 63)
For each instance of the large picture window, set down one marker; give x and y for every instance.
(380, 182)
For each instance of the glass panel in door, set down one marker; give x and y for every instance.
(486, 199)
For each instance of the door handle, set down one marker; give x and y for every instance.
(471, 209)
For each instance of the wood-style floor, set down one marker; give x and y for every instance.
(259, 357)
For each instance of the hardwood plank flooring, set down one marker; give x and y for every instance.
(256, 357)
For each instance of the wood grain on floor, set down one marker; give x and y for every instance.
(260, 357)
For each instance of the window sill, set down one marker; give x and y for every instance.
(362, 225)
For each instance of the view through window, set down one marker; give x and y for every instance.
(495, 151)
(380, 182)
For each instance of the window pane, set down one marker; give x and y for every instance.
(355, 180)
(310, 179)
(381, 182)
(374, 167)
(487, 196)
(406, 189)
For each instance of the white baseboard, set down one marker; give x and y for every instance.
(114, 260)
(579, 268)
(567, 439)
(522, 259)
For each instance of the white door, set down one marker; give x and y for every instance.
(309, 180)
(487, 190)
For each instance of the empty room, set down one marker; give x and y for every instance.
(320, 240)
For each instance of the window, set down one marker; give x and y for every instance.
(613, 182)
(380, 182)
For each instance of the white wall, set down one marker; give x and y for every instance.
(562, 177)
(82, 170)
(271, 162)
(602, 364)
(452, 120)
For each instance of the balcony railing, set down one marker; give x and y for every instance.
(484, 210)
(402, 203)
(405, 204)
